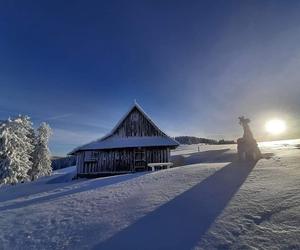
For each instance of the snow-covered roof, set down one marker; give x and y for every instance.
(110, 142)
(129, 142)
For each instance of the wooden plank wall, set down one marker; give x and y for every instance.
(136, 124)
(118, 160)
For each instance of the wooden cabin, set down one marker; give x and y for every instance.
(133, 143)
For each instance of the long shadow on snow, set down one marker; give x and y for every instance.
(180, 223)
(210, 156)
(73, 189)
(60, 179)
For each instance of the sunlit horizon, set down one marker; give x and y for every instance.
(275, 126)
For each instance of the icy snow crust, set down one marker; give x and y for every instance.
(211, 202)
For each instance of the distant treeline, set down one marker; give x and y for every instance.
(63, 162)
(196, 140)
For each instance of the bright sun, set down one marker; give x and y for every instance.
(275, 126)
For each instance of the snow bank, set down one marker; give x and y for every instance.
(212, 202)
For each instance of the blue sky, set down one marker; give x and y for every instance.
(194, 66)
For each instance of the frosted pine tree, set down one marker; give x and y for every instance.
(41, 155)
(5, 170)
(15, 150)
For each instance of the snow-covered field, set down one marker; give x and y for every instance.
(212, 202)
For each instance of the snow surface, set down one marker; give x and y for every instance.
(211, 202)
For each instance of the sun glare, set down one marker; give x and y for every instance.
(275, 126)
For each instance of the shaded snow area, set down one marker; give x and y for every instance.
(212, 201)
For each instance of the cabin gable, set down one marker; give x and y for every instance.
(136, 124)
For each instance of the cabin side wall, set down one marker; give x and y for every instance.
(119, 160)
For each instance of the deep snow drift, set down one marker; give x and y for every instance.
(211, 202)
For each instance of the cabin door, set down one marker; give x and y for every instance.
(140, 159)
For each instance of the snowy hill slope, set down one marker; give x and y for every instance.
(212, 202)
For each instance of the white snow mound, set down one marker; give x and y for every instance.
(212, 201)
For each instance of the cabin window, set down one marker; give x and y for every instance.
(94, 155)
(91, 156)
(90, 167)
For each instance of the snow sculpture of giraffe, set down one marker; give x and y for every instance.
(247, 146)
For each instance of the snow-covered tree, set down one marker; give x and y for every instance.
(41, 156)
(16, 148)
